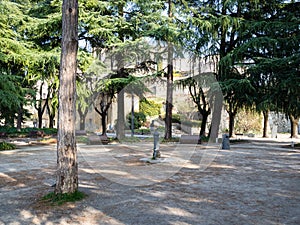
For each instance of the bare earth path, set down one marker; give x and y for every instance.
(253, 183)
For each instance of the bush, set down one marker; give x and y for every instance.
(176, 118)
(139, 119)
(6, 146)
(12, 131)
(149, 107)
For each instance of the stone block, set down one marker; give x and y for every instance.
(189, 139)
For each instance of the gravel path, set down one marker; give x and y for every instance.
(253, 183)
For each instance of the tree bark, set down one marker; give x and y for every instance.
(121, 118)
(266, 119)
(67, 167)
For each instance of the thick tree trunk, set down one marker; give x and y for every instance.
(67, 168)
(216, 107)
(121, 118)
(266, 120)
(294, 126)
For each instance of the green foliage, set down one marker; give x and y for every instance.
(7, 146)
(12, 131)
(11, 94)
(139, 119)
(149, 107)
(60, 199)
(176, 118)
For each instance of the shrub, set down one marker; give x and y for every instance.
(139, 119)
(12, 131)
(7, 146)
(149, 107)
(176, 118)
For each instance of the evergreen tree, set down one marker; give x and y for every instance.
(67, 167)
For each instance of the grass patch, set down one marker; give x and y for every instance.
(82, 139)
(7, 146)
(60, 199)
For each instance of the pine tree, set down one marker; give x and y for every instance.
(67, 167)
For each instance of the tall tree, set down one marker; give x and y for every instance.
(270, 51)
(67, 166)
(199, 93)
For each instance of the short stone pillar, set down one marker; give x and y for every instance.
(156, 152)
(225, 141)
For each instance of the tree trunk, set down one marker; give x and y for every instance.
(67, 167)
(51, 120)
(51, 115)
(82, 116)
(216, 107)
(203, 124)
(40, 118)
(169, 98)
(20, 117)
(169, 103)
(82, 123)
(231, 123)
(294, 126)
(103, 122)
(266, 119)
(121, 118)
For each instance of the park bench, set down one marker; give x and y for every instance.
(239, 134)
(80, 132)
(36, 133)
(97, 140)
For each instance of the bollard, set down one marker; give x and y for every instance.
(156, 153)
(225, 141)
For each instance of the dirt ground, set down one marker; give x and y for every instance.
(255, 182)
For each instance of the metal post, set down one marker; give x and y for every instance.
(156, 152)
